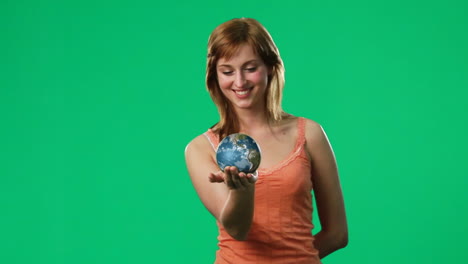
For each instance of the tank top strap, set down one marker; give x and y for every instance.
(212, 138)
(301, 122)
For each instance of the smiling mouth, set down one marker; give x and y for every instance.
(243, 91)
(243, 94)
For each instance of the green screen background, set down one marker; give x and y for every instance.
(98, 100)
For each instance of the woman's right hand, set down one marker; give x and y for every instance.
(234, 179)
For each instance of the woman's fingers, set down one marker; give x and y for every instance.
(243, 179)
(229, 178)
(233, 178)
(216, 177)
(251, 178)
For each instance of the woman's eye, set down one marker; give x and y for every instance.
(251, 69)
(227, 72)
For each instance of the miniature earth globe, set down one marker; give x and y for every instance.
(239, 150)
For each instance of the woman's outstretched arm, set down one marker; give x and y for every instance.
(232, 203)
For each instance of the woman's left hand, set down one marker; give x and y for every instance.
(220, 176)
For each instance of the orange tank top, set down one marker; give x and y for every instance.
(281, 230)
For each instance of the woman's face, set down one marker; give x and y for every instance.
(243, 79)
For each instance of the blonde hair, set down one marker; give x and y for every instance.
(223, 42)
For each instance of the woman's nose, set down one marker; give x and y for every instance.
(240, 80)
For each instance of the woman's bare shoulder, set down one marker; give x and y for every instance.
(312, 126)
(315, 134)
(198, 144)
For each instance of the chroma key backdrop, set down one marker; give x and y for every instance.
(98, 100)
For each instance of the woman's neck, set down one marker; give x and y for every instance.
(252, 120)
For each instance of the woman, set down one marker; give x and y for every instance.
(266, 219)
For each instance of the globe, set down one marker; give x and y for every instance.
(239, 150)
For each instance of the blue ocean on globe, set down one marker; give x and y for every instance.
(239, 150)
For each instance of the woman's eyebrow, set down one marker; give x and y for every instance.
(250, 61)
(247, 62)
